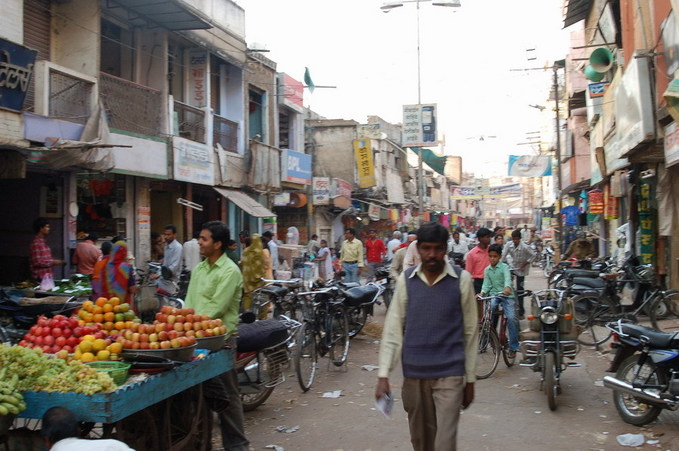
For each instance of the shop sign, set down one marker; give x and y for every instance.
(502, 191)
(419, 125)
(198, 78)
(16, 68)
(374, 212)
(634, 122)
(597, 89)
(363, 154)
(143, 218)
(321, 191)
(670, 37)
(613, 151)
(671, 145)
(341, 188)
(646, 224)
(193, 162)
(296, 167)
(530, 166)
(293, 92)
(281, 199)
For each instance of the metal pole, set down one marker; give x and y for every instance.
(558, 156)
(420, 170)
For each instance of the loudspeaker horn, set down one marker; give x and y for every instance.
(593, 75)
(601, 60)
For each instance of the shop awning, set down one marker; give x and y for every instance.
(171, 14)
(246, 203)
(576, 10)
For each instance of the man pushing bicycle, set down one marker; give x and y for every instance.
(497, 282)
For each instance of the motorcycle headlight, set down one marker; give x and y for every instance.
(549, 316)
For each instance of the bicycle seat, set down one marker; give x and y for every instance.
(275, 290)
(656, 339)
(596, 284)
(361, 295)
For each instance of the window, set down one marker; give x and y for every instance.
(256, 115)
(117, 50)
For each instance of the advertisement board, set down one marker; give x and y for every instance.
(193, 162)
(295, 167)
(530, 165)
(321, 191)
(419, 125)
(364, 163)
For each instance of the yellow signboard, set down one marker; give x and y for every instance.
(364, 162)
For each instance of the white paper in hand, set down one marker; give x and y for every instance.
(384, 404)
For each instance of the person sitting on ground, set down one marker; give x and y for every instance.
(61, 432)
(497, 282)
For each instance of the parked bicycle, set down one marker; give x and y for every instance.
(325, 331)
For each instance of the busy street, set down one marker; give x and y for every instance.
(509, 410)
(233, 225)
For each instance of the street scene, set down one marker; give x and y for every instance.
(509, 411)
(357, 225)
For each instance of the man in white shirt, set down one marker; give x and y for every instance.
(393, 244)
(191, 252)
(273, 248)
(458, 245)
(172, 260)
(61, 430)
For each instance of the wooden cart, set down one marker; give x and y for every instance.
(167, 411)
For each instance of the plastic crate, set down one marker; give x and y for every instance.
(117, 370)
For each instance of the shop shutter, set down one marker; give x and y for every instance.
(37, 32)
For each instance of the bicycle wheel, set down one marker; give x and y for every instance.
(258, 387)
(667, 302)
(306, 359)
(591, 315)
(338, 336)
(489, 352)
(357, 317)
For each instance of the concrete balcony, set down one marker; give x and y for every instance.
(130, 106)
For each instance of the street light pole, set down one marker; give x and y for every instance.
(386, 8)
(420, 169)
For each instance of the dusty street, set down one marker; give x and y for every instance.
(509, 412)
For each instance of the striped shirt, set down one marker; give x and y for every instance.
(517, 256)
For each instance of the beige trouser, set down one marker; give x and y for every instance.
(433, 407)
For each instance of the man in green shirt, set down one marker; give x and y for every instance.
(215, 290)
(497, 281)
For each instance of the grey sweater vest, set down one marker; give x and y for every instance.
(433, 343)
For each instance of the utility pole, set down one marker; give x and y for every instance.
(557, 129)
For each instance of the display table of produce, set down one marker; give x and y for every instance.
(130, 398)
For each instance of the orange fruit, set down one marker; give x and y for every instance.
(98, 318)
(109, 316)
(88, 318)
(108, 325)
(107, 308)
(101, 301)
(87, 305)
(114, 301)
(128, 324)
(115, 348)
(96, 309)
(82, 313)
(119, 325)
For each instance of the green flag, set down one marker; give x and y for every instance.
(437, 163)
(307, 79)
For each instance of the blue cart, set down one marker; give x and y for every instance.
(167, 411)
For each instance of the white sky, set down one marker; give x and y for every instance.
(466, 57)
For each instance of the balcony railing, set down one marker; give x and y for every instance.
(70, 97)
(191, 122)
(225, 133)
(130, 106)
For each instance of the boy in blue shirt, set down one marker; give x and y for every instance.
(497, 281)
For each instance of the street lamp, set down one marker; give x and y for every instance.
(387, 7)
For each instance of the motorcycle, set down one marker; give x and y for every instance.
(546, 262)
(383, 277)
(262, 353)
(551, 341)
(646, 364)
(150, 297)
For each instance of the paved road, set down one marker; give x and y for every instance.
(509, 413)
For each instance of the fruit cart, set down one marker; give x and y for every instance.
(165, 411)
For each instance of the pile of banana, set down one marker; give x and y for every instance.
(11, 400)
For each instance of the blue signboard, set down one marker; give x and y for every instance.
(295, 167)
(16, 69)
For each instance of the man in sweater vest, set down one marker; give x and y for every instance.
(431, 325)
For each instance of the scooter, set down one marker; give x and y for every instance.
(262, 352)
(646, 364)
